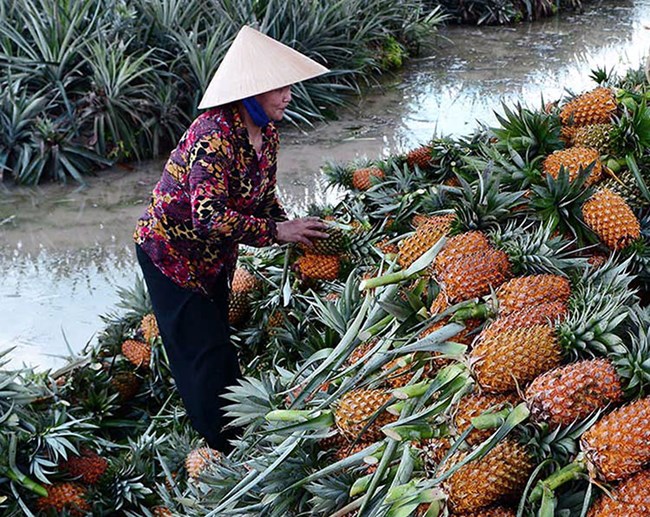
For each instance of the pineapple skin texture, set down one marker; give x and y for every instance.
(502, 473)
(630, 498)
(319, 267)
(617, 445)
(612, 219)
(572, 392)
(574, 159)
(65, 496)
(355, 409)
(526, 291)
(597, 106)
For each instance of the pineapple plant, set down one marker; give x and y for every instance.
(457, 247)
(244, 282)
(500, 475)
(603, 138)
(420, 157)
(126, 384)
(611, 218)
(572, 392)
(365, 177)
(137, 352)
(88, 467)
(575, 160)
(149, 328)
(425, 236)
(337, 242)
(617, 445)
(319, 267)
(625, 185)
(199, 460)
(359, 413)
(629, 498)
(64, 497)
(597, 106)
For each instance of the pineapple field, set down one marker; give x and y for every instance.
(472, 339)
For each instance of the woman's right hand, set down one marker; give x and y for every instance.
(301, 230)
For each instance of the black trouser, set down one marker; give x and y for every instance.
(196, 335)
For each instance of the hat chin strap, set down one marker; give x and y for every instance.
(256, 112)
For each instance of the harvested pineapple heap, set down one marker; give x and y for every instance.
(470, 340)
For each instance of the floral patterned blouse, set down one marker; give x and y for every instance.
(214, 193)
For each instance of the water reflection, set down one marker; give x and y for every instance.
(53, 299)
(481, 67)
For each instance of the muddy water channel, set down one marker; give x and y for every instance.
(64, 250)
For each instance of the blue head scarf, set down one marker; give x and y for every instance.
(256, 111)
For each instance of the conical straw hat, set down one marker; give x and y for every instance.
(256, 64)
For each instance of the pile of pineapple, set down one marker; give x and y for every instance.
(472, 339)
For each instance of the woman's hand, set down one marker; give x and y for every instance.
(301, 230)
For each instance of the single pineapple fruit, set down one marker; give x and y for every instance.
(572, 392)
(239, 306)
(358, 409)
(149, 327)
(439, 304)
(162, 511)
(332, 296)
(420, 156)
(596, 259)
(332, 443)
(524, 291)
(597, 106)
(336, 242)
(617, 445)
(631, 498)
(319, 267)
(387, 247)
(475, 275)
(64, 497)
(475, 404)
(601, 137)
(501, 474)
(137, 352)
(360, 352)
(457, 247)
(420, 219)
(362, 179)
(88, 466)
(244, 282)
(625, 185)
(425, 237)
(610, 217)
(274, 322)
(432, 452)
(198, 460)
(126, 384)
(574, 160)
(567, 134)
(400, 376)
(543, 314)
(504, 361)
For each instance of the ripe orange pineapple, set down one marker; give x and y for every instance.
(356, 409)
(475, 275)
(507, 359)
(126, 384)
(88, 466)
(526, 291)
(62, 497)
(542, 314)
(346, 450)
(630, 498)
(425, 237)
(387, 247)
(574, 160)
(420, 156)
(617, 445)
(162, 511)
(198, 460)
(149, 327)
(597, 106)
(137, 352)
(499, 475)
(362, 179)
(432, 452)
(319, 267)
(612, 219)
(360, 352)
(457, 247)
(244, 282)
(572, 392)
(475, 404)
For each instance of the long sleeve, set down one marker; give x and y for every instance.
(211, 158)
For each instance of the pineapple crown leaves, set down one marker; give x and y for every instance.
(600, 302)
(633, 128)
(558, 202)
(251, 399)
(533, 249)
(633, 363)
(516, 170)
(527, 132)
(483, 205)
(330, 492)
(602, 76)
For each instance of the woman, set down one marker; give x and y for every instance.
(218, 190)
